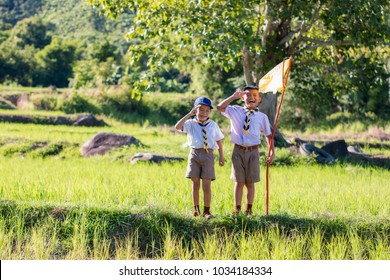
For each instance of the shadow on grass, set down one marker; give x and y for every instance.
(151, 227)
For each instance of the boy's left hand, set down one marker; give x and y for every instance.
(271, 158)
(221, 161)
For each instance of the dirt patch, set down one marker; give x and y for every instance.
(75, 120)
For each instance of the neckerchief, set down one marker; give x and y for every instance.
(247, 121)
(203, 126)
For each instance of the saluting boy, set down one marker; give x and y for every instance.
(247, 122)
(204, 136)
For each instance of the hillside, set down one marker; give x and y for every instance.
(70, 19)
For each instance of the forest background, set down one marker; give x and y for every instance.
(76, 60)
(65, 56)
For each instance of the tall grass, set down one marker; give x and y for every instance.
(270, 243)
(313, 191)
(103, 207)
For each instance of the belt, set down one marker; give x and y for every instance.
(202, 149)
(249, 148)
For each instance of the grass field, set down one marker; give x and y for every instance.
(55, 204)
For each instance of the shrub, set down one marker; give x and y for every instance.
(44, 101)
(78, 103)
(167, 109)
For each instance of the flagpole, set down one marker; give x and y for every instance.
(271, 144)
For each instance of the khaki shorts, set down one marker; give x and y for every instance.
(246, 165)
(201, 164)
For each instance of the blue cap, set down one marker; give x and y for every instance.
(250, 87)
(203, 101)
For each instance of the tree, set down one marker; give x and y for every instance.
(55, 62)
(31, 31)
(258, 34)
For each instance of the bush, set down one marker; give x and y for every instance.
(44, 101)
(118, 99)
(77, 103)
(167, 108)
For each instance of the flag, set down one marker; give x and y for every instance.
(275, 80)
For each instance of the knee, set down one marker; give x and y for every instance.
(195, 181)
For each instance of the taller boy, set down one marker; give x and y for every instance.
(247, 122)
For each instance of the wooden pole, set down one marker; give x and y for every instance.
(271, 144)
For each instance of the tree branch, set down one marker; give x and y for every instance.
(305, 26)
(247, 65)
(267, 26)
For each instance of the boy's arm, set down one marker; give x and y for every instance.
(179, 124)
(220, 151)
(271, 157)
(223, 104)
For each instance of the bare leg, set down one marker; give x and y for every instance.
(250, 195)
(195, 194)
(206, 185)
(238, 189)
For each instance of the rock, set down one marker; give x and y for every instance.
(338, 148)
(353, 149)
(320, 155)
(104, 142)
(153, 158)
(89, 120)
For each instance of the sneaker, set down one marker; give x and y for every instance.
(196, 213)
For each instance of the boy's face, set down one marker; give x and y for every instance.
(203, 112)
(251, 98)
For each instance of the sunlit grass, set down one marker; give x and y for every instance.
(294, 190)
(70, 207)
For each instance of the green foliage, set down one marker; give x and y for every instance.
(55, 62)
(13, 11)
(85, 74)
(101, 50)
(340, 49)
(32, 32)
(257, 35)
(47, 102)
(29, 27)
(163, 109)
(77, 103)
(16, 64)
(51, 149)
(323, 87)
(118, 99)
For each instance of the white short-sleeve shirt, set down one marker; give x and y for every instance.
(258, 123)
(195, 134)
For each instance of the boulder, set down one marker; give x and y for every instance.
(320, 155)
(353, 149)
(89, 120)
(337, 149)
(104, 142)
(153, 158)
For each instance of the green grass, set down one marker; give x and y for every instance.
(58, 205)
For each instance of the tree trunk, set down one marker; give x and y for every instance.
(268, 106)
